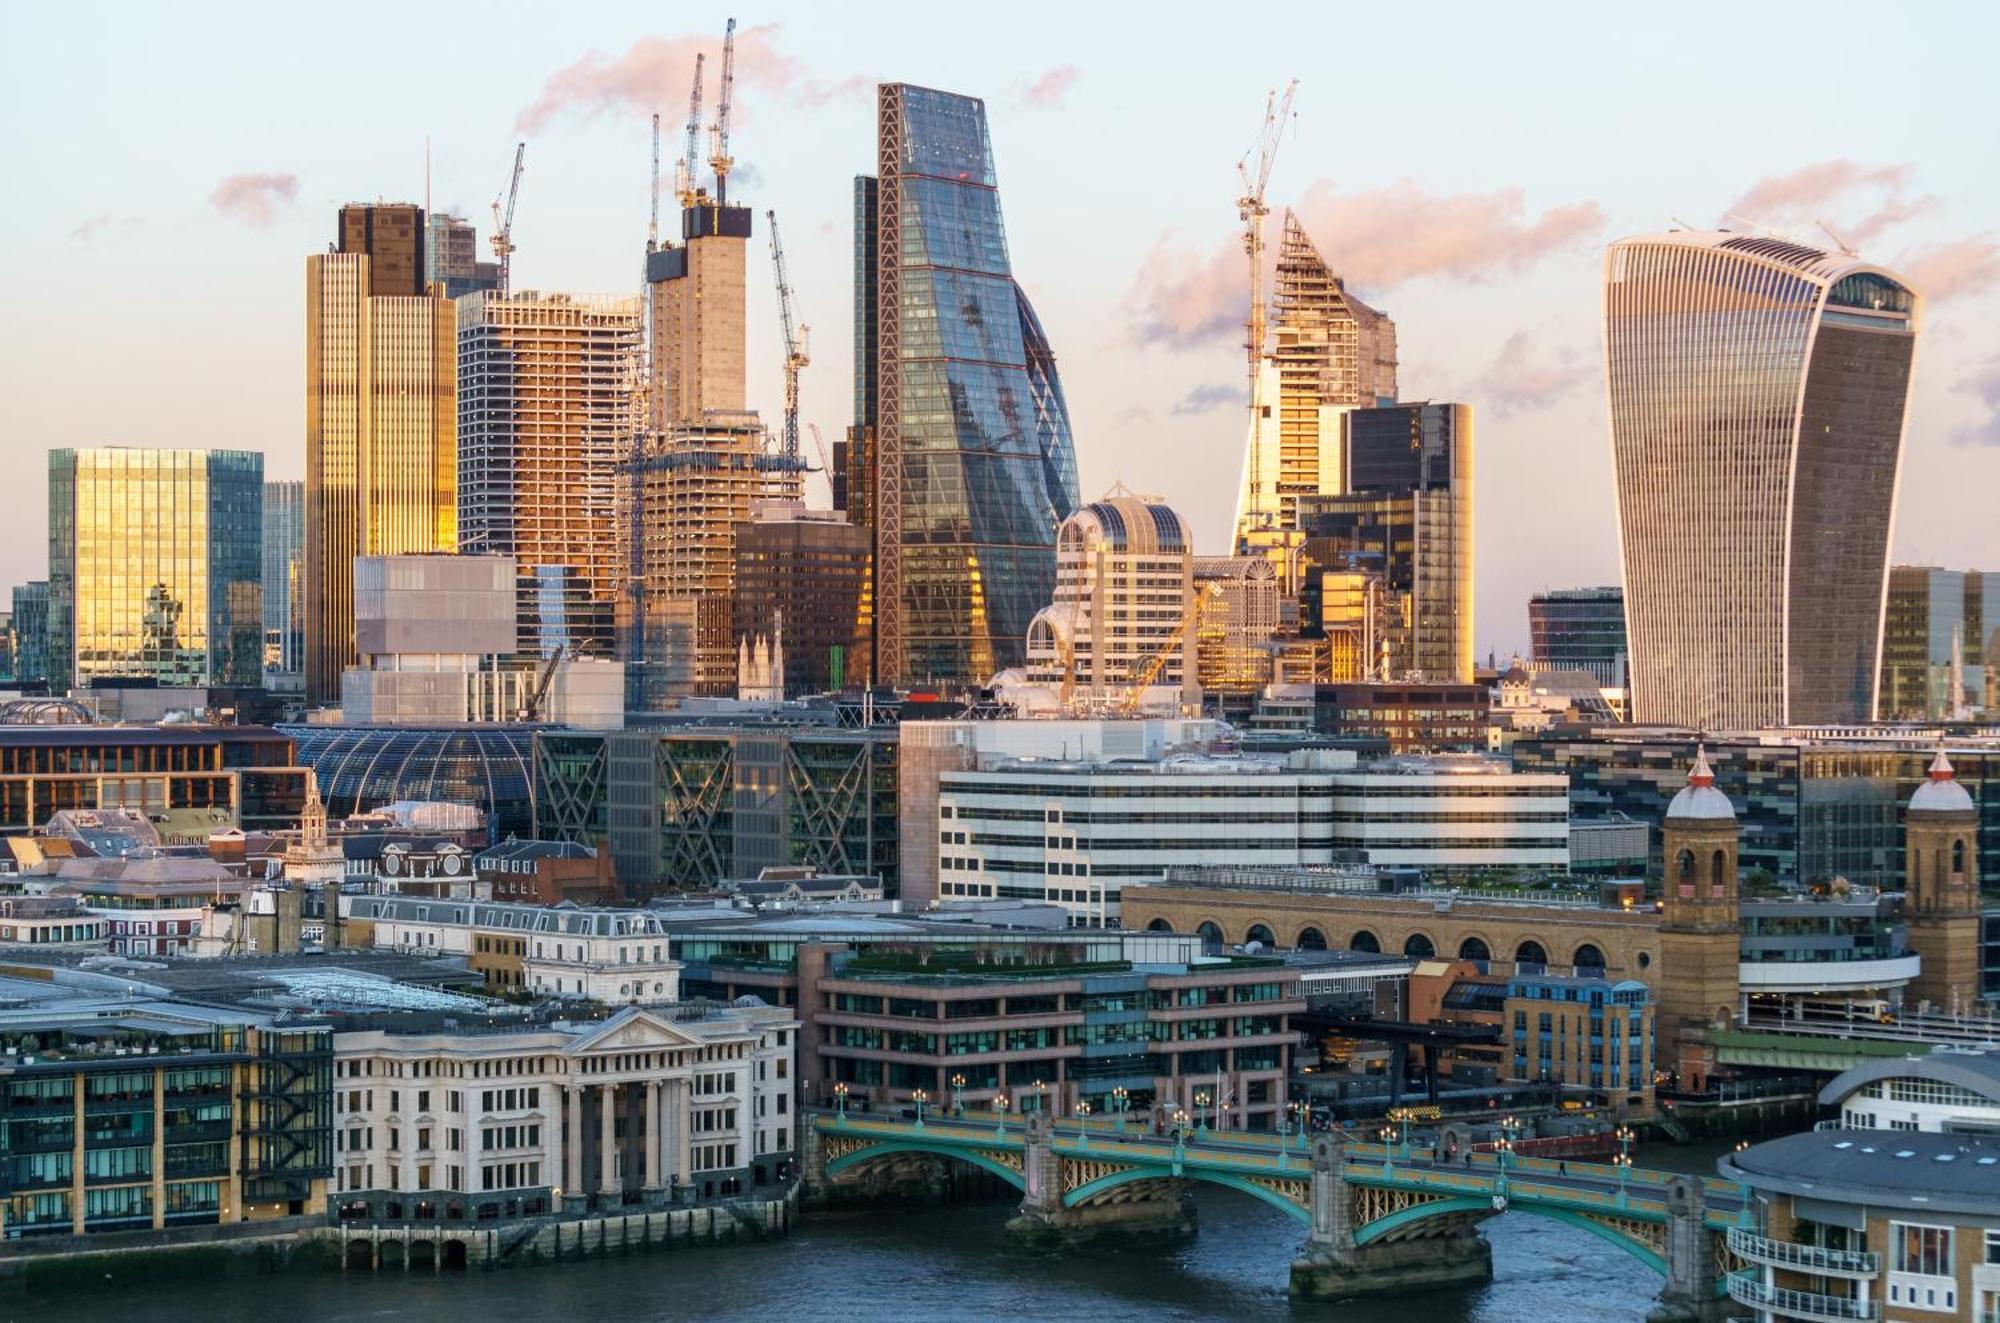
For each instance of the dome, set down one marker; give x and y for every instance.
(1942, 793)
(1699, 799)
(362, 768)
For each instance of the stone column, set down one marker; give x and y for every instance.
(573, 1147)
(1689, 1295)
(683, 1159)
(652, 1139)
(1332, 1215)
(607, 1139)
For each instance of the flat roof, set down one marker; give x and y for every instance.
(1901, 1171)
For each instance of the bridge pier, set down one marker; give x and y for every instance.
(1145, 1210)
(1689, 1295)
(1333, 1267)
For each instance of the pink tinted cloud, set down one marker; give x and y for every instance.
(1826, 192)
(1525, 376)
(655, 73)
(1377, 239)
(254, 198)
(1949, 270)
(1050, 90)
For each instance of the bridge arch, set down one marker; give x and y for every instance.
(869, 1154)
(1382, 1226)
(1083, 1194)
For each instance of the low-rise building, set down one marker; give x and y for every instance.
(617, 957)
(50, 921)
(1947, 1091)
(545, 873)
(1585, 1035)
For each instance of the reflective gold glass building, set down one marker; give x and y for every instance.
(381, 424)
(156, 566)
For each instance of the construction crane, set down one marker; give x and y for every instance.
(1136, 691)
(503, 223)
(653, 222)
(797, 346)
(689, 165)
(531, 710)
(718, 145)
(1250, 209)
(819, 444)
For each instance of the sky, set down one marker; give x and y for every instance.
(1462, 165)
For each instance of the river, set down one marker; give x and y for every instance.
(932, 1263)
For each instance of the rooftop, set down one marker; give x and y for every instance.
(1888, 1169)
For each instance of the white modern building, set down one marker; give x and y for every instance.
(445, 1119)
(1944, 1091)
(1074, 833)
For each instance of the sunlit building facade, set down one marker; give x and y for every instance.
(156, 566)
(1580, 629)
(547, 407)
(381, 421)
(1940, 645)
(961, 459)
(1758, 390)
(284, 572)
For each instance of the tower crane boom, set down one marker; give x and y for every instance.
(689, 165)
(1250, 209)
(503, 223)
(797, 354)
(718, 158)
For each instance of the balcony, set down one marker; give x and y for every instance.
(1803, 1258)
(1748, 1289)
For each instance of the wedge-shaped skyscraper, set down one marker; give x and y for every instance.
(1757, 397)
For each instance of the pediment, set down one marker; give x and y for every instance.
(633, 1030)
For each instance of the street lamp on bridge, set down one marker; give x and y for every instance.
(1083, 1122)
(958, 1095)
(1121, 1103)
(840, 1099)
(1000, 1116)
(1624, 1135)
(920, 1098)
(1201, 1100)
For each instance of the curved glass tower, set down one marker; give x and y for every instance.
(961, 460)
(1758, 390)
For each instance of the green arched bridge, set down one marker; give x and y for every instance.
(1378, 1217)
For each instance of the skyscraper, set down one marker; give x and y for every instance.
(156, 566)
(1406, 519)
(284, 572)
(1757, 396)
(381, 421)
(31, 630)
(798, 582)
(696, 289)
(547, 395)
(1329, 352)
(1580, 629)
(1940, 644)
(451, 257)
(961, 460)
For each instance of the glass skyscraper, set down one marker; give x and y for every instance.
(1757, 396)
(961, 460)
(1580, 629)
(156, 566)
(284, 570)
(1940, 645)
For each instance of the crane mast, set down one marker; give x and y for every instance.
(718, 158)
(503, 223)
(689, 166)
(797, 354)
(653, 221)
(1250, 209)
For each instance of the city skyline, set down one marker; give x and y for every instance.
(1485, 242)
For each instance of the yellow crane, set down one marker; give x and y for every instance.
(1136, 691)
(689, 166)
(1250, 209)
(719, 159)
(797, 345)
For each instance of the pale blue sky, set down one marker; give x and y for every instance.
(1463, 163)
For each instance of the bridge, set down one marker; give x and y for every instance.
(1378, 1217)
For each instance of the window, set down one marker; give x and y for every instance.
(1923, 1250)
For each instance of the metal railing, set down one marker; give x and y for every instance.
(1749, 1289)
(1805, 1258)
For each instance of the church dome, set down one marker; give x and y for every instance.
(1942, 793)
(1699, 799)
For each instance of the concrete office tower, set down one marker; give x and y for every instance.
(1758, 390)
(1700, 933)
(284, 571)
(381, 421)
(799, 575)
(451, 257)
(696, 291)
(156, 566)
(1580, 629)
(1940, 645)
(1406, 518)
(1117, 629)
(1941, 890)
(548, 386)
(960, 461)
(1329, 352)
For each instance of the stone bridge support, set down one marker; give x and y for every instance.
(1147, 1208)
(1445, 1251)
(1689, 1295)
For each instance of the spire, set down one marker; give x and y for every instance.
(1700, 775)
(1941, 767)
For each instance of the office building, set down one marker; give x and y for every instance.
(451, 257)
(381, 421)
(1940, 645)
(1118, 633)
(192, 779)
(960, 461)
(1580, 629)
(284, 582)
(30, 630)
(430, 631)
(155, 566)
(696, 289)
(1329, 352)
(1406, 519)
(1233, 635)
(799, 580)
(1951, 1092)
(1590, 1035)
(548, 392)
(1758, 390)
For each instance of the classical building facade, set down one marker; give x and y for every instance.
(1941, 889)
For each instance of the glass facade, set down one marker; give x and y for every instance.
(1940, 645)
(967, 460)
(364, 767)
(156, 566)
(284, 564)
(1580, 629)
(30, 629)
(1757, 396)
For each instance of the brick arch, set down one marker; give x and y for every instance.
(1493, 952)
(1318, 930)
(1414, 936)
